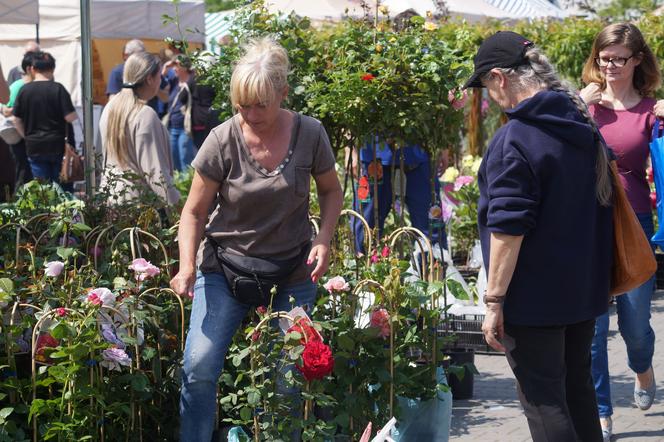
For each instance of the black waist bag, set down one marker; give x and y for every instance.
(251, 279)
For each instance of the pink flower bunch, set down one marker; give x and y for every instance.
(462, 181)
(457, 103)
(336, 284)
(380, 319)
(143, 269)
(61, 312)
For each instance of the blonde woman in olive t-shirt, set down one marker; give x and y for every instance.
(257, 165)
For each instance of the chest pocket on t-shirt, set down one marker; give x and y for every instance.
(302, 177)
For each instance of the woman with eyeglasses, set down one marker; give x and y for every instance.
(622, 75)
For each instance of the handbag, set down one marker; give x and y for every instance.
(8, 131)
(72, 168)
(633, 260)
(251, 279)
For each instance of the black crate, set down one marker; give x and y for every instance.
(467, 331)
(659, 276)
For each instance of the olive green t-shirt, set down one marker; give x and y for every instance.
(260, 213)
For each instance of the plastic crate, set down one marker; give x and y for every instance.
(467, 330)
(659, 276)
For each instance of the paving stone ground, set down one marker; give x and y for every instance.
(494, 413)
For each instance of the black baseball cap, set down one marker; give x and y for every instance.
(504, 49)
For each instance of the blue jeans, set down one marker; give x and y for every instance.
(182, 148)
(633, 309)
(215, 318)
(418, 201)
(46, 167)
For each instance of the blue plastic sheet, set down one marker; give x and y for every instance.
(657, 158)
(425, 420)
(237, 434)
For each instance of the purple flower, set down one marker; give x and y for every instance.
(115, 358)
(108, 332)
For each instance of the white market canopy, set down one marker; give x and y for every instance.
(60, 31)
(471, 10)
(318, 10)
(19, 11)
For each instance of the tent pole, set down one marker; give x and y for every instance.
(88, 134)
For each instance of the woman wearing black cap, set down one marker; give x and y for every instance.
(546, 231)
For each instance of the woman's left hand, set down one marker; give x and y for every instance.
(493, 326)
(320, 252)
(658, 109)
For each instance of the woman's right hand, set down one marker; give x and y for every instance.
(183, 283)
(591, 94)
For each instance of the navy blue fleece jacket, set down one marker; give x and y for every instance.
(537, 179)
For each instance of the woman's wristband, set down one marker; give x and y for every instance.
(494, 299)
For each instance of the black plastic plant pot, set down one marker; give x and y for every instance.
(460, 374)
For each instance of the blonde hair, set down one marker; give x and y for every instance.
(261, 74)
(122, 108)
(539, 73)
(647, 77)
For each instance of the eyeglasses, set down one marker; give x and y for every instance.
(616, 61)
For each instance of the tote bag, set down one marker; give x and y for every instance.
(633, 260)
(657, 159)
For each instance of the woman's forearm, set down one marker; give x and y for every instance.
(502, 262)
(190, 232)
(330, 203)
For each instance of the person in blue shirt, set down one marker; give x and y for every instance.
(114, 84)
(418, 198)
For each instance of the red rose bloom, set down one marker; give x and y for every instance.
(317, 361)
(653, 200)
(45, 340)
(304, 327)
(368, 77)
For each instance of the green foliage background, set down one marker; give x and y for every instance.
(414, 69)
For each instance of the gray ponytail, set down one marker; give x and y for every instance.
(540, 74)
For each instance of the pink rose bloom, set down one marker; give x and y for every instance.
(93, 299)
(653, 199)
(54, 268)
(380, 319)
(385, 252)
(462, 181)
(336, 284)
(143, 269)
(457, 103)
(374, 258)
(105, 296)
(61, 312)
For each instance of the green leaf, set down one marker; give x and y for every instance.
(457, 290)
(65, 252)
(5, 412)
(139, 383)
(6, 285)
(245, 414)
(253, 397)
(60, 330)
(80, 228)
(119, 283)
(346, 342)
